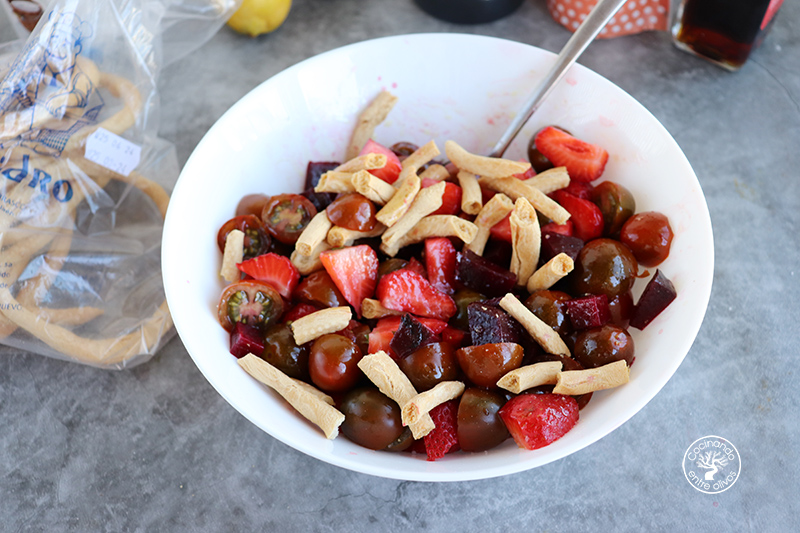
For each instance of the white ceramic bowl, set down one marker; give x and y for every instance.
(460, 87)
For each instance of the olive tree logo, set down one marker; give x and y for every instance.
(712, 464)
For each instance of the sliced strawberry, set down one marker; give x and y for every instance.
(354, 271)
(391, 171)
(502, 230)
(584, 161)
(586, 217)
(536, 420)
(299, 311)
(581, 189)
(454, 336)
(414, 265)
(528, 174)
(404, 290)
(444, 437)
(440, 263)
(564, 229)
(451, 199)
(381, 335)
(274, 269)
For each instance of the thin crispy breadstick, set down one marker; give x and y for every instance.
(363, 162)
(320, 323)
(372, 187)
(400, 202)
(313, 234)
(487, 167)
(471, 196)
(422, 403)
(426, 202)
(527, 377)
(335, 181)
(375, 113)
(308, 404)
(435, 172)
(374, 309)
(550, 272)
(339, 237)
(540, 331)
(434, 226)
(391, 381)
(233, 254)
(515, 188)
(526, 240)
(311, 263)
(311, 389)
(495, 210)
(422, 155)
(608, 376)
(550, 180)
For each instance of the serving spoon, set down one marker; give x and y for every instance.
(583, 36)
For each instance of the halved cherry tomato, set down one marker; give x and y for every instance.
(254, 303)
(252, 204)
(352, 211)
(256, 239)
(287, 215)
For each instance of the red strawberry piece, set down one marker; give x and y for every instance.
(404, 290)
(274, 269)
(586, 217)
(380, 337)
(415, 266)
(354, 271)
(487, 194)
(502, 230)
(246, 339)
(391, 171)
(454, 336)
(451, 199)
(440, 263)
(444, 437)
(584, 161)
(299, 311)
(536, 420)
(528, 174)
(563, 229)
(436, 326)
(580, 189)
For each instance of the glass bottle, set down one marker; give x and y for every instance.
(723, 31)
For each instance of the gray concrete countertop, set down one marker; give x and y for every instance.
(155, 448)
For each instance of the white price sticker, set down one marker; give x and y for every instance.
(112, 151)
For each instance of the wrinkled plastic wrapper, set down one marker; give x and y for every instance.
(84, 179)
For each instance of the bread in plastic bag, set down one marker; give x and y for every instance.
(84, 179)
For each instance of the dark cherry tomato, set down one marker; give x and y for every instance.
(333, 362)
(282, 352)
(319, 289)
(463, 298)
(600, 346)
(250, 302)
(256, 238)
(479, 426)
(430, 365)
(621, 309)
(371, 419)
(604, 266)
(401, 443)
(287, 215)
(252, 204)
(487, 363)
(403, 149)
(649, 236)
(352, 211)
(616, 203)
(549, 307)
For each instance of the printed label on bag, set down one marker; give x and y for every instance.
(112, 151)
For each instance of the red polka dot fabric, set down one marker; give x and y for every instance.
(633, 17)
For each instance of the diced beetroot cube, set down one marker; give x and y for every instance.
(321, 200)
(444, 437)
(498, 252)
(556, 243)
(657, 295)
(588, 312)
(315, 170)
(483, 276)
(380, 337)
(491, 325)
(410, 336)
(246, 339)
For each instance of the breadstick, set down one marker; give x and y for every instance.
(391, 381)
(426, 202)
(373, 188)
(335, 181)
(608, 376)
(515, 188)
(233, 254)
(495, 210)
(526, 240)
(434, 226)
(400, 202)
(471, 197)
(540, 331)
(374, 309)
(422, 403)
(363, 162)
(527, 377)
(375, 113)
(550, 180)
(550, 272)
(313, 234)
(422, 155)
(486, 167)
(319, 323)
(310, 263)
(308, 404)
(435, 172)
(339, 237)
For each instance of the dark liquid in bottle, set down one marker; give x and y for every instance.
(724, 31)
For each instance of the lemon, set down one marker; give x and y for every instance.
(256, 17)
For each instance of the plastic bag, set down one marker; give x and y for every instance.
(84, 179)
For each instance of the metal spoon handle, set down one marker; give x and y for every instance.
(584, 35)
